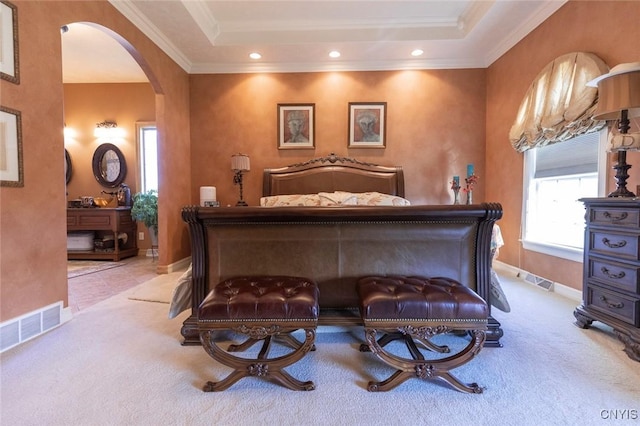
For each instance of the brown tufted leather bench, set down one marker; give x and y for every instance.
(415, 309)
(262, 308)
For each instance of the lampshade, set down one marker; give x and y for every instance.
(240, 162)
(618, 90)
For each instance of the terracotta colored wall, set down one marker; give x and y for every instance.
(435, 126)
(88, 104)
(608, 29)
(33, 218)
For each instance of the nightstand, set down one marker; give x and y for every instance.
(611, 280)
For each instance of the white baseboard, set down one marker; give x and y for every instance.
(517, 273)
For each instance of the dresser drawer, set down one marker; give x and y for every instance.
(72, 220)
(614, 216)
(618, 275)
(615, 244)
(616, 305)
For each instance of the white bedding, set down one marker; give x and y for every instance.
(333, 199)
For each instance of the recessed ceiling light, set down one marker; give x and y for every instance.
(417, 52)
(255, 55)
(334, 54)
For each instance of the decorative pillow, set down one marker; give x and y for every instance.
(380, 199)
(181, 298)
(337, 198)
(293, 200)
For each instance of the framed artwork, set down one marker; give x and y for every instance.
(367, 124)
(11, 173)
(9, 42)
(296, 126)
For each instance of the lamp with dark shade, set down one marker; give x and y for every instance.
(240, 164)
(618, 100)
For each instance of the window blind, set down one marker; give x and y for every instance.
(575, 156)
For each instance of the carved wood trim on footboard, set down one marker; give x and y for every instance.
(335, 246)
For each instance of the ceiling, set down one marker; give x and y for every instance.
(211, 36)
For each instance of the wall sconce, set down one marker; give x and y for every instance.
(69, 134)
(107, 130)
(240, 164)
(619, 99)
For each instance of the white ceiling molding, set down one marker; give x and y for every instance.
(536, 18)
(216, 36)
(138, 19)
(203, 17)
(323, 66)
(474, 14)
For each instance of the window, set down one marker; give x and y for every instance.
(555, 178)
(148, 156)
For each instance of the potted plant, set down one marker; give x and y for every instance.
(145, 210)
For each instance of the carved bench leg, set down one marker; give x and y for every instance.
(262, 366)
(421, 368)
(390, 337)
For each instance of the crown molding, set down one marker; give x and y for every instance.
(265, 67)
(544, 12)
(203, 17)
(133, 14)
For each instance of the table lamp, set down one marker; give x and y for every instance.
(618, 100)
(240, 164)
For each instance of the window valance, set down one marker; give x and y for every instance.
(559, 105)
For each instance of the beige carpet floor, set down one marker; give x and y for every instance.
(159, 289)
(120, 362)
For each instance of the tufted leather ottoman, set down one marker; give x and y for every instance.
(262, 308)
(415, 309)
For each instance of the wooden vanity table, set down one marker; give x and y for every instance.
(104, 221)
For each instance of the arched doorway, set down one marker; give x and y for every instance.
(105, 80)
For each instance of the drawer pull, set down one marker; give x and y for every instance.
(616, 218)
(619, 275)
(618, 305)
(609, 244)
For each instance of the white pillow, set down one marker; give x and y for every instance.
(337, 198)
(293, 200)
(380, 199)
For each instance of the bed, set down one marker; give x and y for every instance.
(336, 244)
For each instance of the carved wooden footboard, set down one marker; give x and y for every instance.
(335, 246)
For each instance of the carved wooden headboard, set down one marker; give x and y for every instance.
(333, 173)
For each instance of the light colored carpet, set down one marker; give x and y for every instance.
(120, 362)
(158, 289)
(77, 268)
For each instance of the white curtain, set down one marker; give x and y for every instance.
(559, 105)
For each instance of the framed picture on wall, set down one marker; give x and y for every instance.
(296, 126)
(367, 124)
(11, 173)
(9, 42)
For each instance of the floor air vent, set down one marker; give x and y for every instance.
(28, 326)
(539, 282)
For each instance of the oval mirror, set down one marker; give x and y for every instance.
(109, 167)
(67, 165)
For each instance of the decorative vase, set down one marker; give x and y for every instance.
(153, 236)
(456, 196)
(469, 197)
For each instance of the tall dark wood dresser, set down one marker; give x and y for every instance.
(611, 281)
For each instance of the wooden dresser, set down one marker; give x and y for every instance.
(114, 221)
(611, 282)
